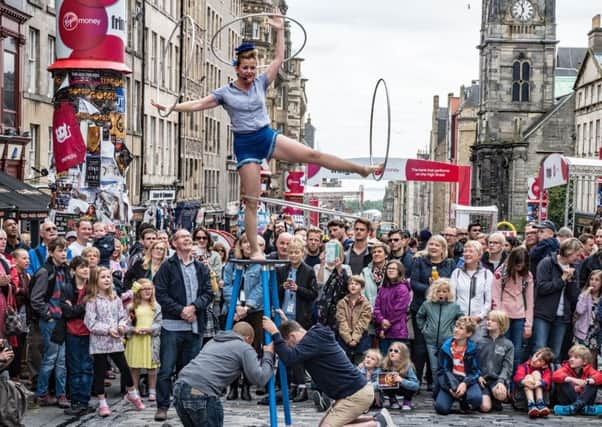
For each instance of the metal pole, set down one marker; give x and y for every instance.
(281, 366)
(234, 297)
(266, 270)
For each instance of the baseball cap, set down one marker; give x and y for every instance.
(70, 235)
(546, 224)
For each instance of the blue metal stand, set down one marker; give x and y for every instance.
(270, 294)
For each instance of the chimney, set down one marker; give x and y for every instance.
(595, 35)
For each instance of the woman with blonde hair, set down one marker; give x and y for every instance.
(427, 268)
(147, 266)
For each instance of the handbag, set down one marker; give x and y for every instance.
(13, 322)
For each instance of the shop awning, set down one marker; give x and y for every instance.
(22, 199)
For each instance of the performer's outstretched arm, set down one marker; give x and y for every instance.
(277, 23)
(205, 103)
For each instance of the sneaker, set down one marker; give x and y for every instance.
(407, 405)
(104, 411)
(592, 410)
(394, 403)
(532, 410)
(63, 402)
(384, 418)
(46, 400)
(161, 414)
(544, 411)
(136, 401)
(73, 410)
(152, 397)
(562, 410)
(320, 401)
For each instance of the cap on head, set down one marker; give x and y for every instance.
(244, 47)
(546, 224)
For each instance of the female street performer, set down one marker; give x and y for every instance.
(254, 139)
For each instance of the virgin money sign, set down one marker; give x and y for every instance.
(91, 34)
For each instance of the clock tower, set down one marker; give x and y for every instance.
(517, 52)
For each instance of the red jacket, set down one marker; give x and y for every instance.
(525, 369)
(587, 372)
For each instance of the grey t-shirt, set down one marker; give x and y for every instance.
(246, 109)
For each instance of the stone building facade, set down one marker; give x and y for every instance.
(588, 118)
(519, 120)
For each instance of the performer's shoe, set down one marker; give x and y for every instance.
(244, 392)
(233, 394)
(301, 394)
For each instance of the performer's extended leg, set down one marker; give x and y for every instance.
(250, 180)
(293, 151)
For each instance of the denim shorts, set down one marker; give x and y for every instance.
(253, 147)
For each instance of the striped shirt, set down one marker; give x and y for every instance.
(458, 359)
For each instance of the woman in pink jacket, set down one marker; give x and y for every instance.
(512, 292)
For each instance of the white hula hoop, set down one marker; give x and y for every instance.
(379, 177)
(179, 24)
(303, 206)
(254, 15)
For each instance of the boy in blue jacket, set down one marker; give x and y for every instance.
(458, 374)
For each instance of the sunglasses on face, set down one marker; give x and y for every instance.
(395, 240)
(201, 238)
(393, 350)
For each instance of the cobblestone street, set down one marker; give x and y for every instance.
(249, 414)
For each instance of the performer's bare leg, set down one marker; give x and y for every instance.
(250, 180)
(292, 151)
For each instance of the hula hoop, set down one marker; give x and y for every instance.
(303, 206)
(179, 24)
(379, 177)
(254, 15)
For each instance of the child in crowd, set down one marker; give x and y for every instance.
(144, 335)
(436, 318)
(80, 367)
(371, 368)
(587, 324)
(398, 363)
(532, 381)
(353, 318)
(496, 356)
(92, 255)
(107, 322)
(577, 383)
(104, 242)
(391, 306)
(458, 370)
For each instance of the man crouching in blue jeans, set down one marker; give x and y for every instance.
(203, 381)
(331, 370)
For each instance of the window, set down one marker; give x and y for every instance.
(33, 60)
(255, 30)
(50, 148)
(162, 146)
(161, 61)
(598, 146)
(135, 106)
(9, 89)
(153, 58)
(521, 75)
(151, 146)
(34, 149)
(51, 59)
(169, 68)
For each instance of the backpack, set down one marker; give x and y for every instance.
(333, 291)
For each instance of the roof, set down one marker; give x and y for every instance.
(543, 119)
(24, 199)
(570, 58)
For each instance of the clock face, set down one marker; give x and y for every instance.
(523, 10)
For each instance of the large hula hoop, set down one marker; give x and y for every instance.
(254, 15)
(179, 24)
(379, 177)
